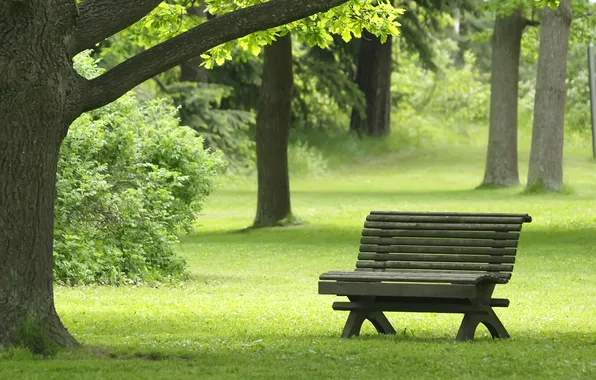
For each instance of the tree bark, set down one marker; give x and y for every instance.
(373, 77)
(501, 159)
(36, 104)
(273, 128)
(546, 157)
(99, 19)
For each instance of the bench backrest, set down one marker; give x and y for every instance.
(441, 241)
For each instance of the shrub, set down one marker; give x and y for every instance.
(129, 179)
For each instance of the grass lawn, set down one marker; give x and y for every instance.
(251, 308)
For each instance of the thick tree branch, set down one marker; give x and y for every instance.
(99, 19)
(117, 81)
(529, 22)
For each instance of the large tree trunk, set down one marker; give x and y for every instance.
(501, 159)
(273, 128)
(546, 157)
(36, 105)
(374, 80)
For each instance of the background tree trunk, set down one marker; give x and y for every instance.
(273, 128)
(373, 77)
(36, 104)
(546, 157)
(501, 159)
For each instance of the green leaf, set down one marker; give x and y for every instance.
(255, 49)
(346, 35)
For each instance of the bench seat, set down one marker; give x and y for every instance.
(417, 276)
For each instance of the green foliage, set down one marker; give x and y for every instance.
(347, 20)
(554, 4)
(165, 21)
(577, 102)
(584, 21)
(461, 94)
(324, 89)
(530, 47)
(129, 179)
(226, 130)
(506, 7)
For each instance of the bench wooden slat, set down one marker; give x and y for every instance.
(404, 274)
(439, 242)
(436, 266)
(422, 307)
(437, 258)
(397, 289)
(526, 218)
(428, 273)
(421, 276)
(505, 275)
(443, 234)
(389, 270)
(443, 226)
(446, 219)
(386, 302)
(445, 250)
(499, 302)
(411, 307)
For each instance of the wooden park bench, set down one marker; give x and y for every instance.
(435, 262)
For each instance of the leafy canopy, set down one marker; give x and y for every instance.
(554, 4)
(347, 20)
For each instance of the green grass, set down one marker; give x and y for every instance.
(251, 309)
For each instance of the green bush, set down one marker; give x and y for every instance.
(129, 179)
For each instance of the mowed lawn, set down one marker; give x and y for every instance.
(251, 308)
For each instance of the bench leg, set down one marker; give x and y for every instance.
(471, 321)
(357, 318)
(468, 326)
(494, 325)
(381, 323)
(353, 324)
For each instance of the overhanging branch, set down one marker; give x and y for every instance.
(531, 22)
(99, 19)
(117, 81)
